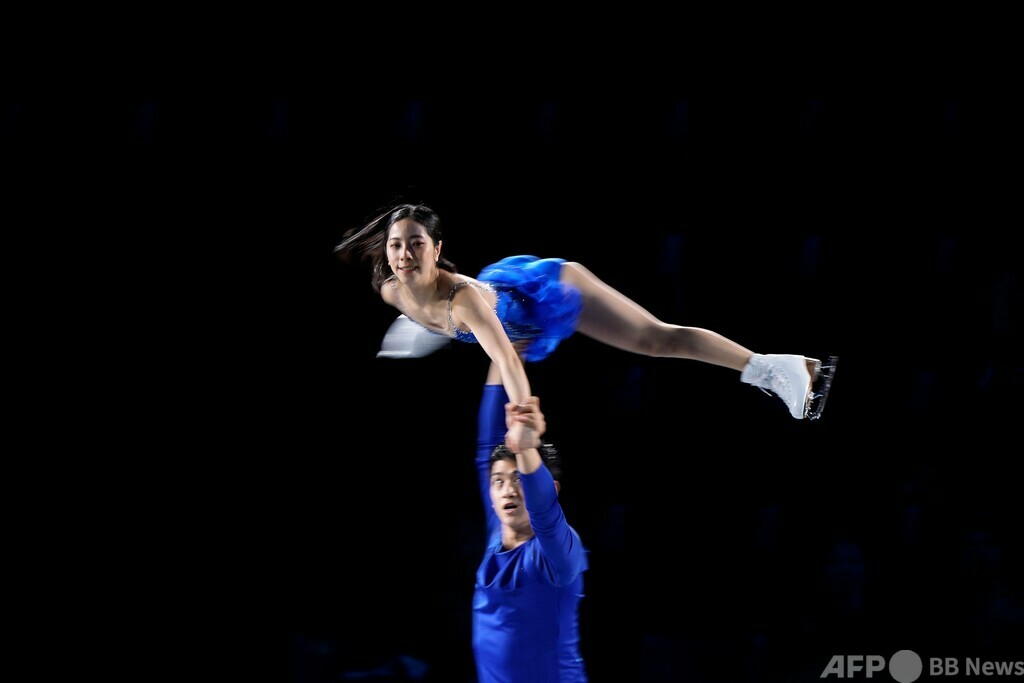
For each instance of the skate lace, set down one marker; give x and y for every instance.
(780, 385)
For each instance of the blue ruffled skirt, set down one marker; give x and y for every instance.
(532, 304)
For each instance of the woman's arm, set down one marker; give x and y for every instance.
(470, 309)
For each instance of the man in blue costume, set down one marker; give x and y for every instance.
(530, 581)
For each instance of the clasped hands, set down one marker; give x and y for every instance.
(525, 423)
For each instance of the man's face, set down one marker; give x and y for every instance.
(507, 494)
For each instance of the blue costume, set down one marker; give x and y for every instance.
(526, 600)
(530, 302)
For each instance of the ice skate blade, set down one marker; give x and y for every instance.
(824, 372)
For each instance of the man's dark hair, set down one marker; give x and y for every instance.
(548, 454)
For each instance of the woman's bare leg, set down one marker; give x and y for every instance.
(613, 319)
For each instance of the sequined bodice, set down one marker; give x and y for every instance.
(510, 306)
(458, 334)
(530, 301)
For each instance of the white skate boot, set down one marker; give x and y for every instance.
(788, 378)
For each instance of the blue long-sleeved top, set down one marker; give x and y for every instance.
(526, 600)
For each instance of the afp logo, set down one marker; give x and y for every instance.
(904, 666)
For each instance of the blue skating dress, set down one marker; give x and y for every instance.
(531, 303)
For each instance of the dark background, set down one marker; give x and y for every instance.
(727, 540)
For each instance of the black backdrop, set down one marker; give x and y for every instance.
(728, 541)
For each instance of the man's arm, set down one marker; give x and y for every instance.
(562, 547)
(491, 430)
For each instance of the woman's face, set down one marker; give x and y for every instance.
(411, 252)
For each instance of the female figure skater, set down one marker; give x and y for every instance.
(521, 307)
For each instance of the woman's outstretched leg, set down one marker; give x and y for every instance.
(611, 318)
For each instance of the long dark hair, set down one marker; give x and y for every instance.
(367, 243)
